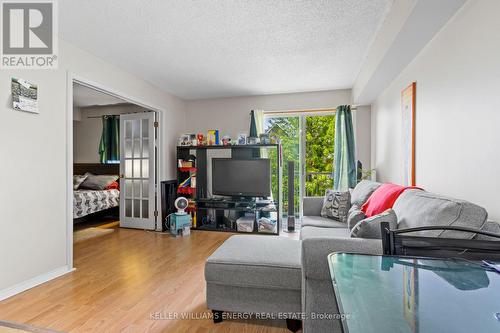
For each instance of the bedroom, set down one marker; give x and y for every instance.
(96, 160)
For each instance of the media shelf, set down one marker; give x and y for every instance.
(210, 217)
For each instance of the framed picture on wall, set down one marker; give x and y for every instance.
(24, 95)
(408, 104)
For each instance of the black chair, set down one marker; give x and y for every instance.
(398, 242)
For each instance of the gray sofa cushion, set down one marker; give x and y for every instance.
(416, 208)
(362, 192)
(370, 227)
(312, 206)
(256, 261)
(313, 232)
(322, 222)
(489, 226)
(354, 217)
(336, 205)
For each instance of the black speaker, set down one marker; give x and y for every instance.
(168, 196)
(291, 201)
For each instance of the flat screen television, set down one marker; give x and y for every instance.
(243, 178)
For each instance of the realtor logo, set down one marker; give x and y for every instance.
(29, 38)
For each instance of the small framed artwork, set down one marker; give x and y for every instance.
(185, 140)
(408, 104)
(24, 95)
(242, 139)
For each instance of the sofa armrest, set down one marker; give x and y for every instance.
(315, 252)
(312, 206)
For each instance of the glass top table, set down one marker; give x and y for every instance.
(401, 294)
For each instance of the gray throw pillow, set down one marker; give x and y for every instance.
(370, 227)
(354, 217)
(336, 205)
(98, 182)
(362, 192)
(78, 180)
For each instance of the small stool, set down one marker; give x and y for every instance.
(256, 274)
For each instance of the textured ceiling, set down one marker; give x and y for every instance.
(217, 48)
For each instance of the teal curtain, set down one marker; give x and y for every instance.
(344, 174)
(253, 125)
(109, 147)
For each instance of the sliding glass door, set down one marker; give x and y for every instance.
(307, 139)
(288, 130)
(318, 160)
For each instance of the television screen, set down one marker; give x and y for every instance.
(245, 178)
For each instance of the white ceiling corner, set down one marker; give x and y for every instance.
(84, 97)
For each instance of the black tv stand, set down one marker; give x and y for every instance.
(215, 203)
(221, 213)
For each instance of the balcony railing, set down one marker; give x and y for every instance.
(317, 183)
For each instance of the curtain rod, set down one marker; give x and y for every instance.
(104, 115)
(110, 115)
(329, 110)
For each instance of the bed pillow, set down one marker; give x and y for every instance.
(98, 182)
(78, 180)
(370, 227)
(336, 205)
(113, 186)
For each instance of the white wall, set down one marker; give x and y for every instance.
(458, 103)
(87, 131)
(232, 115)
(362, 130)
(33, 155)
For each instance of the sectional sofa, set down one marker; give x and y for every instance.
(290, 279)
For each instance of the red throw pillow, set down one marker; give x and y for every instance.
(113, 186)
(382, 199)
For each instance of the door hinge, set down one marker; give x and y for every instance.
(156, 124)
(156, 213)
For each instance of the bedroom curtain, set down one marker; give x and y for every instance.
(109, 147)
(344, 167)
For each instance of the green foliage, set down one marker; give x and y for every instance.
(320, 137)
(287, 130)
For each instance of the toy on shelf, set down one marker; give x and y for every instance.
(226, 140)
(186, 190)
(187, 169)
(213, 138)
(201, 139)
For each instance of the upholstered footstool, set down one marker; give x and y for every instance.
(256, 275)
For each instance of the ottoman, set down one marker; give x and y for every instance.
(257, 275)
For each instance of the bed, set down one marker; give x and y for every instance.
(89, 201)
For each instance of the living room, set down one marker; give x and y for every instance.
(407, 88)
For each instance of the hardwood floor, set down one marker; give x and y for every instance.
(124, 278)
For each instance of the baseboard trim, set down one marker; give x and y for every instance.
(33, 282)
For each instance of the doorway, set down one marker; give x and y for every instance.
(307, 138)
(138, 138)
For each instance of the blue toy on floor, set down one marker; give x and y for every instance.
(180, 219)
(178, 222)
